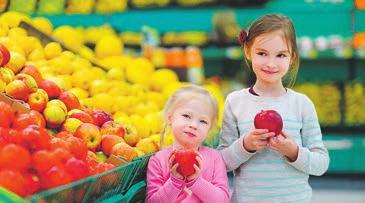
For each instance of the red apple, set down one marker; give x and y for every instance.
(23, 120)
(18, 90)
(124, 150)
(77, 168)
(6, 115)
(6, 75)
(108, 141)
(56, 176)
(39, 118)
(34, 72)
(54, 116)
(38, 100)
(71, 124)
(4, 55)
(35, 138)
(186, 158)
(13, 180)
(77, 147)
(32, 183)
(81, 115)
(113, 128)
(28, 80)
(10, 154)
(90, 134)
(70, 100)
(269, 119)
(100, 117)
(52, 89)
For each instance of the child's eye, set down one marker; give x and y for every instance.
(261, 53)
(186, 115)
(204, 121)
(282, 55)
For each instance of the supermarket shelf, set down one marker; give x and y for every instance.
(360, 20)
(346, 152)
(307, 18)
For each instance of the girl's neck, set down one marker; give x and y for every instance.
(179, 146)
(269, 90)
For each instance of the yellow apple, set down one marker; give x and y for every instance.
(147, 145)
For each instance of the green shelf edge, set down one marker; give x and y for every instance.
(315, 20)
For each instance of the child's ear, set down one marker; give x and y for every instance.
(168, 120)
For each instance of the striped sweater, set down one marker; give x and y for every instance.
(268, 176)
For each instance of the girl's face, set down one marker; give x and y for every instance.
(190, 123)
(270, 57)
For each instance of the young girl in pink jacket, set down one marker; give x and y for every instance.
(189, 113)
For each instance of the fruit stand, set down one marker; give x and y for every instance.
(83, 83)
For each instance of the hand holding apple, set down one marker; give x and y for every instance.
(257, 139)
(173, 166)
(186, 159)
(198, 168)
(284, 145)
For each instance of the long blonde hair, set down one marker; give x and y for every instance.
(183, 95)
(271, 23)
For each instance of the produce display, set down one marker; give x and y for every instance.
(79, 114)
(84, 110)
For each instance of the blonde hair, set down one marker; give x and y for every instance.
(183, 95)
(271, 23)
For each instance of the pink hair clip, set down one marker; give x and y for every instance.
(242, 37)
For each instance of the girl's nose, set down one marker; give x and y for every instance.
(193, 125)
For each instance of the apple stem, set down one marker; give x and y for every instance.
(283, 135)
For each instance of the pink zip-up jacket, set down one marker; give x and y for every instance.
(210, 186)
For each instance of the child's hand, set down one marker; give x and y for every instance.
(173, 166)
(285, 146)
(198, 168)
(257, 139)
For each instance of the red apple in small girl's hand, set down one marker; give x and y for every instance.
(186, 158)
(269, 119)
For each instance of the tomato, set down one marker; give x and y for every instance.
(13, 156)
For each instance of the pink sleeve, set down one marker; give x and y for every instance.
(158, 189)
(215, 190)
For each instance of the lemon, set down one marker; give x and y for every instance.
(115, 74)
(161, 78)
(81, 79)
(43, 24)
(17, 32)
(79, 93)
(36, 54)
(115, 61)
(52, 50)
(98, 73)
(4, 28)
(141, 125)
(29, 44)
(86, 52)
(72, 38)
(139, 71)
(13, 18)
(109, 45)
(155, 121)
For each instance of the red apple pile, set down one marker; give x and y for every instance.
(46, 162)
(269, 119)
